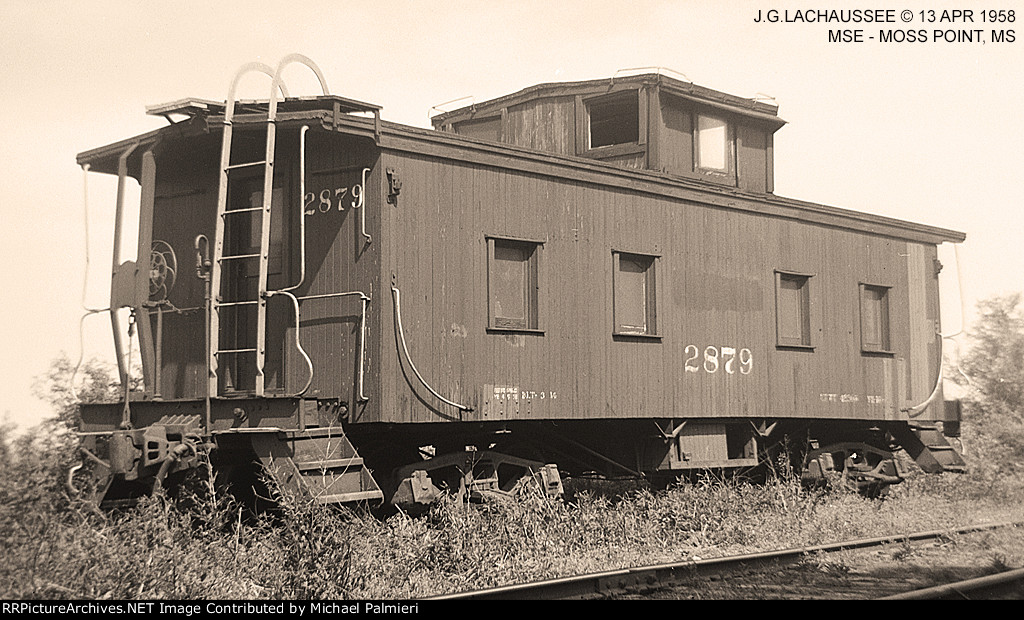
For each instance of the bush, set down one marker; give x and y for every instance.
(993, 373)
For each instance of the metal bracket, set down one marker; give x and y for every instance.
(764, 429)
(394, 186)
(670, 437)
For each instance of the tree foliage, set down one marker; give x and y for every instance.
(95, 381)
(37, 458)
(995, 360)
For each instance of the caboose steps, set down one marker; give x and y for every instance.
(321, 464)
(926, 444)
(300, 442)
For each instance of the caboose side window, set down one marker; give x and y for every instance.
(614, 119)
(714, 144)
(874, 319)
(512, 284)
(633, 288)
(793, 309)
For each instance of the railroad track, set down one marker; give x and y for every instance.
(630, 581)
(1007, 584)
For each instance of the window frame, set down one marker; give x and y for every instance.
(730, 145)
(634, 96)
(884, 346)
(532, 284)
(650, 301)
(807, 314)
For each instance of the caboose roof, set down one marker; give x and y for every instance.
(192, 106)
(394, 136)
(751, 108)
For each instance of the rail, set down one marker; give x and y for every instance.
(1010, 581)
(609, 582)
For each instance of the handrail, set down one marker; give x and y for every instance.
(298, 344)
(401, 335)
(919, 408)
(287, 60)
(657, 70)
(364, 299)
(229, 109)
(85, 285)
(326, 295)
(268, 191)
(362, 207)
(85, 211)
(115, 324)
(362, 349)
(438, 106)
(302, 215)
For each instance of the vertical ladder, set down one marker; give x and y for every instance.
(219, 258)
(263, 254)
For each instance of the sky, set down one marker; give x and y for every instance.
(930, 132)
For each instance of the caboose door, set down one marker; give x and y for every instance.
(240, 289)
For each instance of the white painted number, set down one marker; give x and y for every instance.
(711, 360)
(715, 358)
(729, 355)
(691, 362)
(746, 361)
(323, 201)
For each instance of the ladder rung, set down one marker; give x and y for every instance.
(253, 350)
(238, 256)
(247, 164)
(249, 210)
(235, 303)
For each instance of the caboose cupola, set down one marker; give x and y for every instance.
(647, 122)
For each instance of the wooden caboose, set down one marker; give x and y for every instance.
(595, 274)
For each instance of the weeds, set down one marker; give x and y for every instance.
(827, 563)
(903, 551)
(200, 544)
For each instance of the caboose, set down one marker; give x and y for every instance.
(585, 278)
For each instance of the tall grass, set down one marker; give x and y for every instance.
(200, 544)
(203, 546)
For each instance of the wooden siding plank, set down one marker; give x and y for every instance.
(751, 160)
(338, 260)
(922, 333)
(183, 207)
(715, 289)
(441, 145)
(676, 144)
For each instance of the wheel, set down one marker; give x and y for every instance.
(855, 466)
(163, 269)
